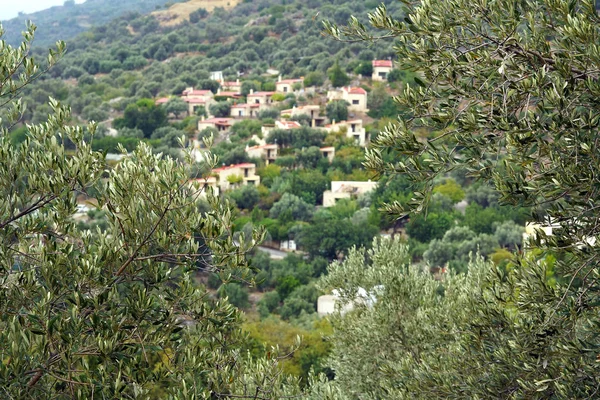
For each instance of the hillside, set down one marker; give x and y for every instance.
(180, 12)
(69, 20)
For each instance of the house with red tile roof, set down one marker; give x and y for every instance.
(267, 152)
(381, 69)
(245, 173)
(231, 86)
(248, 110)
(356, 97)
(287, 125)
(197, 98)
(263, 98)
(287, 85)
(220, 124)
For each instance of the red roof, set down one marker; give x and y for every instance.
(229, 94)
(162, 100)
(290, 124)
(245, 106)
(261, 94)
(217, 121)
(356, 90)
(382, 63)
(243, 165)
(194, 101)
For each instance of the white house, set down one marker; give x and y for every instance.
(287, 85)
(311, 111)
(197, 98)
(354, 130)
(346, 190)
(246, 172)
(355, 96)
(232, 86)
(328, 153)
(381, 69)
(220, 124)
(248, 110)
(287, 125)
(264, 99)
(267, 152)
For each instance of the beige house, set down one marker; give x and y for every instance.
(244, 110)
(354, 130)
(381, 69)
(220, 124)
(346, 190)
(267, 152)
(232, 86)
(197, 98)
(264, 99)
(355, 96)
(287, 85)
(312, 111)
(287, 125)
(328, 152)
(245, 173)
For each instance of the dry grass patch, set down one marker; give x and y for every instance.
(180, 12)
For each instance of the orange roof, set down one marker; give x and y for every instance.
(194, 101)
(356, 90)
(217, 121)
(382, 63)
(243, 165)
(252, 105)
(264, 146)
(162, 100)
(261, 94)
(229, 94)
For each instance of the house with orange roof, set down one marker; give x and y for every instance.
(162, 100)
(220, 124)
(248, 110)
(287, 125)
(354, 130)
(197, 98)
(264, 99)
(229, 176)
(231, 86)
(381, 69)
(228, 94)
(287, 85)
(355, 96)
(267, 152)
(310, 110)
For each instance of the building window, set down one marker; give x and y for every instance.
(285, 88)
(355, 102)
(257, 101)
(240, 113)
(245, 172)
(353, 127)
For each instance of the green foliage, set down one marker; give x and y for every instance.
(337, 76)
(113, 313)
(450, 189)
(236, 294)
(512, 98)
(433, 226)
(337, 110)
(143, 115)
(314, 78)
(245, 197)
(290, 208)
(220, 109)
(176, 106)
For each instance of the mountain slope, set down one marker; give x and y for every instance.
(67, 21)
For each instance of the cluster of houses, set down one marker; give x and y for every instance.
(227, 177)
